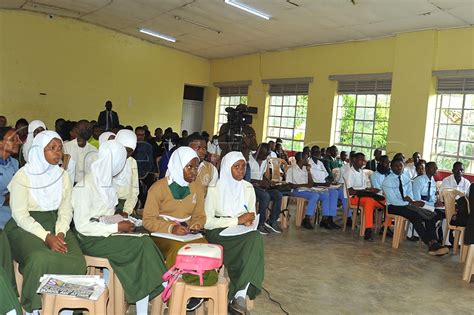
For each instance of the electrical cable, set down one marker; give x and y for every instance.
(275, 301)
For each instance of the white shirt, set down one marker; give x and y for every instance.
(213, 148)
(410, 168)
(318, 171)
(297, 175)
(83, 157)
(343, 171)
(355, 179)
(273, 155)
(450, 182)
(257, 171)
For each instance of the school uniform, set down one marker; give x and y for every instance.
(450, 182)
(297, 175)
(173, 196)
(264, 196)
(8, 168)
(356, 179)
(320, 174)
(396, 187)
(424, 189)
(207, 175)
(136, 261)
(40, 199)
(8, 291)
(83, 158)
(243, 254)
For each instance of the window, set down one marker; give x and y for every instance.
(230, 97)
(362, 116)
(287, 115)
(453, 137)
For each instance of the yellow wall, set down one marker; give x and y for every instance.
(80, 66)
(411, 57)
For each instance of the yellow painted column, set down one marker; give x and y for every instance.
(411, 87)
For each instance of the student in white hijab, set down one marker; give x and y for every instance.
(106, 136)
(232, 202)
(126, 182)
(34, 128)
(40, 199)
(175, 204)
(137, 262)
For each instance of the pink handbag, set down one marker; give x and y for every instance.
(195, 258)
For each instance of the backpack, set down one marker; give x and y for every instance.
(195, 258)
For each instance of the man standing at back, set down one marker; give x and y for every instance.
(372, 164)
(108, 118)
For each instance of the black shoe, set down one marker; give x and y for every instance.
(368, 235)
(325, 224)
(334, 225)
(307, 224)
(193, 304)
(238, 307)
(413, 238)
(349, 222)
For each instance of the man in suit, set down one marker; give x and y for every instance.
(372, 164)
(108, 118)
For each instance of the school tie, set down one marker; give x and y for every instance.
(429, 190)
(400, 186)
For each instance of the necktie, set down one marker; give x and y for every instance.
(400, 186)
(429, 190)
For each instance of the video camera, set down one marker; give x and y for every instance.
(237, 119)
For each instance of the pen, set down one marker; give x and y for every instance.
(246, 209)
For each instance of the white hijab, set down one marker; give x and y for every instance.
(105, 137)
(178, 160)
(32, 126)
(45, 179)
(231, 191)
(110, 162)
(128, 139)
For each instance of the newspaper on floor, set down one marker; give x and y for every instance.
(81, 286)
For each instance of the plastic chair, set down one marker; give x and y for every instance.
(355, 210)
(399, 228)
(217, 295)
(116, 304)
(52, 304)
(469, 267)
(449, 196)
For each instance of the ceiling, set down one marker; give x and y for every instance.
(213, 29)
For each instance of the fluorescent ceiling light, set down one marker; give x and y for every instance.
(155, 34)
(248, 9)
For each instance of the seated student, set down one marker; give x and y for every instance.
(322, 178)
(424, 186)
(34, 128)
(299, 175)
(372, 164)
(342, 159)
(94, 139)
(136, 261)
(126, 182)
(207, 173)
(170, 144)
(411, 166)
(9, 304)
(40, 199)
(456, 180)
(330, 161)
(382, 171)
(232, 202)
(280, 152)
(420, 168)
(263, 190)
(175, 205)
(272, 146)
(355, 180)
(81, 152)
(469, 232)
(9, 144)
(399, 194)
(143, 154)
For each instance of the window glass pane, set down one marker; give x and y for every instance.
(289, 100)
(452, 132)
(302, 100)
(370, 100)
(234, 100)
(466, 149)
(359, 126)
(276, 100)
(456, 101)
(369, 114)
(301, 111)
(467, 133)
(368, 127)
(298, 146)
(273, 132)
(289, 111)
(288, 122)
(225, 100)
(361, 99)
(275, 121)
(275, 111)
(298, 134)
(469, 102)
(243, 99)
(468, 117)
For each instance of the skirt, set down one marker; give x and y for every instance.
(243, 258)
(137, 262)
(36, 258)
